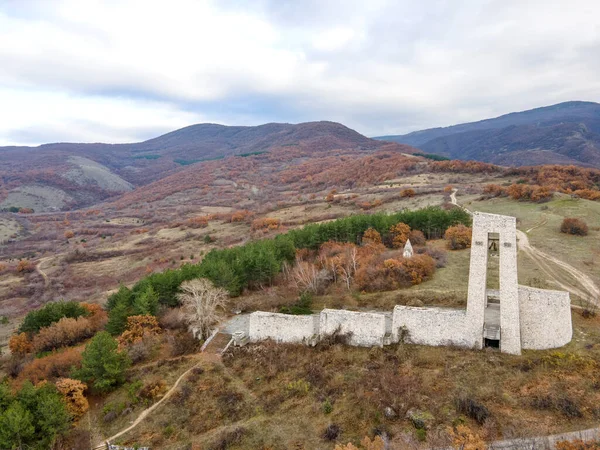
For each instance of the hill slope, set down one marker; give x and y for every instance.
(65, 175)
(566, 133)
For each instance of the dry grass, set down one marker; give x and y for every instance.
(277, 396)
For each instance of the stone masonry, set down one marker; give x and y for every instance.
(514, 317)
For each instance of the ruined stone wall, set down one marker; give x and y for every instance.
(545, 317)
(282, 327)
(366, 329)
(432, 326)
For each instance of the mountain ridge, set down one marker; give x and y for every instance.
(568, 132)
(27, 170)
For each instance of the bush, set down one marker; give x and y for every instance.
(458, 237)
(72, 392)
(137, 328)
(51, 313)
(332, 432)
(55, 365)
(301, 307)
(571, 225)
(19, 344)
(472, 409)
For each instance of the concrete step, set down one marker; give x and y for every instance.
(491, 332)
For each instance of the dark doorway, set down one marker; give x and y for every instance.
(492, 343)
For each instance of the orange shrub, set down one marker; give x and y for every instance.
(65, 332)
(72, 391)
(572, 225)
(98, 316)
(448, 189)
(588, 194)
(198, 222)
(394, 273)
(577, 444)
(69, 234)
(458, 237)
(371, 236)
(400, 233)
(26, 210)
(495, 190)
(55, 365)
(417, 237)
(137, 328)
(331, 196)
(265, 224)
(25, 266)
(20, 344)
(407, 193)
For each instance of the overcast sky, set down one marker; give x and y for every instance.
(128, 70)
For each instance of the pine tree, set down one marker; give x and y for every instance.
(146, 303)
(103, 365)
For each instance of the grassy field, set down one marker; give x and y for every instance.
(542, 222)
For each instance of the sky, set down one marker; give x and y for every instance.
(128, 70)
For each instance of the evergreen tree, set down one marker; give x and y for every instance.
(146, 303)
(16, 427)
(103, 365)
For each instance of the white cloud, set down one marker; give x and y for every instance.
(380, 67)
(85, 118)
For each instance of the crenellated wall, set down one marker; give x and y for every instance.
(432, 326)
(545, 317)
(365, 329)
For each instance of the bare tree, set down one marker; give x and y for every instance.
(306, 276)
(201, 304)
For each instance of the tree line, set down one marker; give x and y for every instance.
(257, 263)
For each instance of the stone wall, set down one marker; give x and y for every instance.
(282, 327)
(365, 329)
(432, 326)
(545, 318)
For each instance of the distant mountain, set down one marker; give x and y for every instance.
(62, 176)
(566, 133)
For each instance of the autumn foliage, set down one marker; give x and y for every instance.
(371, 236)
(577, 444)
(138, 327)
(19, 344)
(265, 224)
(458, 237)
(400, 234)
(407, 193)
(572, 225)
(55, 365)
(72, 391)
(25, 266)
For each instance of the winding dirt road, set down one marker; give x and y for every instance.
(558, 271)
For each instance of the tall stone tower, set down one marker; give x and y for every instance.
(494, 233)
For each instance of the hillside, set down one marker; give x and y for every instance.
(566, 133)
(64, 176)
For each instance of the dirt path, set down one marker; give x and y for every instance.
(148, 410)
(38, 269)
(204, 357)
(558, 271)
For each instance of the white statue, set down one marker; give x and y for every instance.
(408, 250)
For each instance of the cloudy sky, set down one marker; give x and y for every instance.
(127, 70)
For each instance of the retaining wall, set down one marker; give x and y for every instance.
(545, 318)
(367, 329)
(282, 327)
(432, 326)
